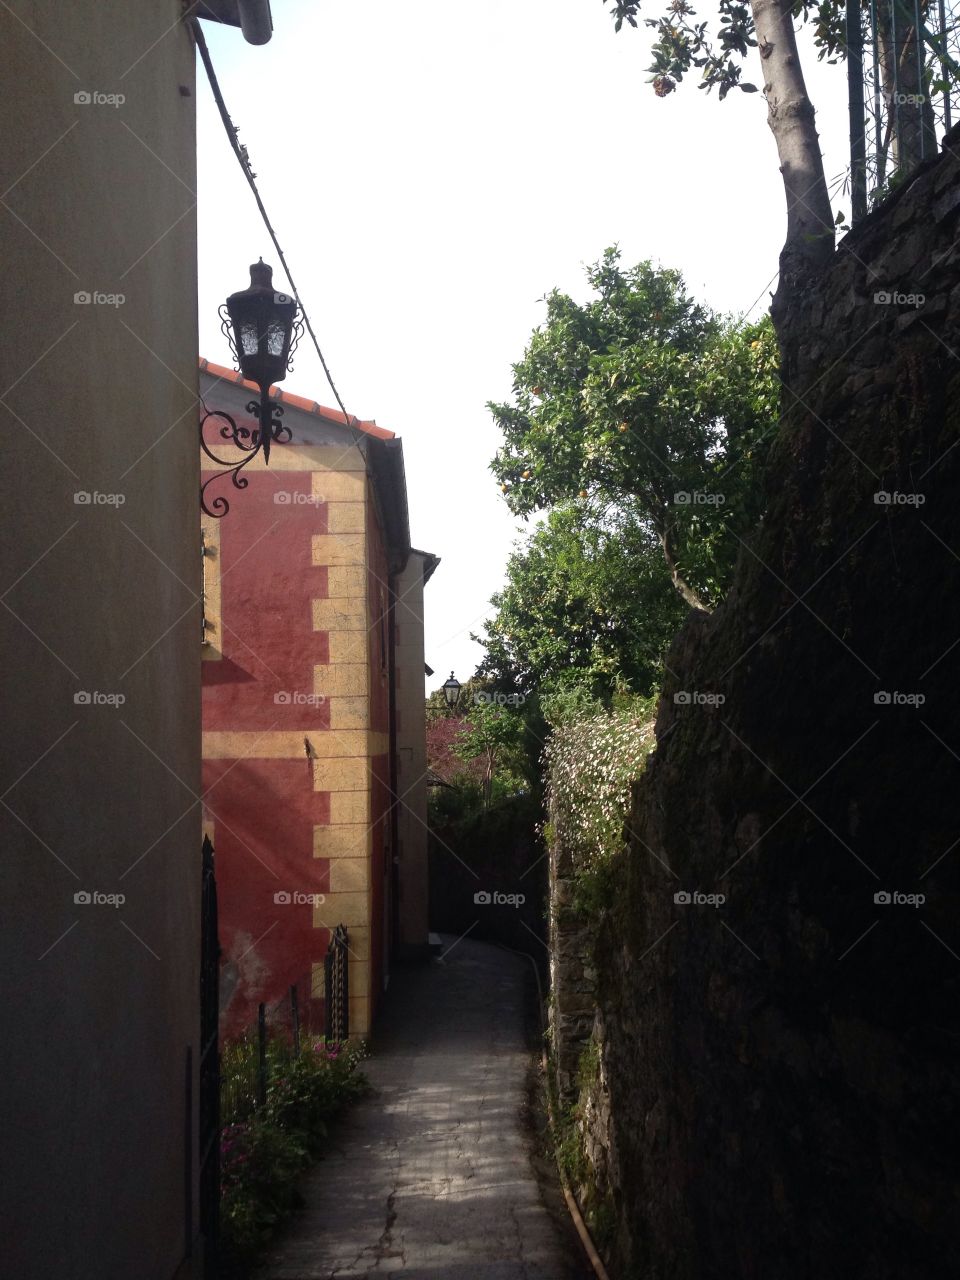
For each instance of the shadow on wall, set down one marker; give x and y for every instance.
(488, 877)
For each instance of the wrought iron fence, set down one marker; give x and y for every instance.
(336, 989)
(209, 1082)
(313, 1008)
(903, 65)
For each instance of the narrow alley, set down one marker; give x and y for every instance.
(433, 1177)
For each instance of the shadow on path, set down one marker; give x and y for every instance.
(431, 1177)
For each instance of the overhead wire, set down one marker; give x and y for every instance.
(243, 160)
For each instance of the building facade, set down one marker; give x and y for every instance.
(100, 821)
(310, 650)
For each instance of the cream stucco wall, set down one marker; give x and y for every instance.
(98, 398)
(412, 754)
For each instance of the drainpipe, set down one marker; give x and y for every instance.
(394, 765)
(256, 22)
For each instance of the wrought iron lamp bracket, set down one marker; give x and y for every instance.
(250, 442)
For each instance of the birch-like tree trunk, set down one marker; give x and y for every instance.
(810, 234)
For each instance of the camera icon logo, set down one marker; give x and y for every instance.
(82, 298)
(282, 699)
(482, 898)
(681, 898)
(282, 497)
(82, 98)
(881, 698)
(280, 299)
(681, 499)
(882, 498)
(82, 897)
(882, 898)
(282, 898)
(82, 698)
(883, 297)
(682, 699)
(82, 498)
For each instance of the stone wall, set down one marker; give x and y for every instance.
(777, 1086)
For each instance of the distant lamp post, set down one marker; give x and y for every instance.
(451, 691)
(263, 328)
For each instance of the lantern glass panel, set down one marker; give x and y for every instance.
(249, 340)
(275, 340)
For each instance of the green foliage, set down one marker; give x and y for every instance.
(264, 1152)
(648, 417)
(584, 608)
(591, 761)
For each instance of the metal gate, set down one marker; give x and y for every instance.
(336, 987)
(209, 1117)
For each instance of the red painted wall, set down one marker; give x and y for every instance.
(264, 810)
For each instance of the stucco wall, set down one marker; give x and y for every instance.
(295, 713)
(100, 1002)
(412, 754)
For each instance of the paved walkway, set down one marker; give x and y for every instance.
(431, 1177)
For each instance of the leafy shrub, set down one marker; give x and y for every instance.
(591, 760)
(264, 1151)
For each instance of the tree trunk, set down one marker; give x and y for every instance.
(688, 593)
(790, 114)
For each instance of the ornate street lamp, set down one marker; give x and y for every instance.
(263, 328)
(451, 691)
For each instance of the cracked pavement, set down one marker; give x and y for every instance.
(432, 1177)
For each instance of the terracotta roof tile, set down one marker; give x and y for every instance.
(370, 428)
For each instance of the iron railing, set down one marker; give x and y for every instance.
(903, 65)
(336, 988)
(310, 1010)
(209, 1083)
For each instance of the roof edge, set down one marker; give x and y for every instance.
(318, 410)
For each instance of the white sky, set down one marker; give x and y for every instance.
(432, 170)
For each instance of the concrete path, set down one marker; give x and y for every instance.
(433, 1176)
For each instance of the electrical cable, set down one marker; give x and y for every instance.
(244, 162)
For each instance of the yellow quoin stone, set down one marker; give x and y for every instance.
(339, 486)
(349, 713)
(343, 840)
(347, 679)
(350, 807)
(339, 549)
(340, 614)
(342, 774)
(348, 647)
(346, 517)
(346, 580)
(349, 875)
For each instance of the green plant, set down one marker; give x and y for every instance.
(264, 1151)
(591, 762)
